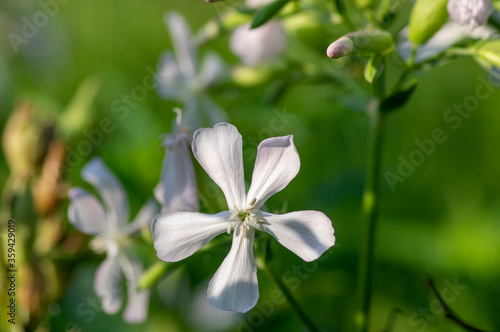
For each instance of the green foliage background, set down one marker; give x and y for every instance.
(443, 221)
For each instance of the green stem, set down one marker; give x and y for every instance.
(413, 55)
(370, 211)
(289, 296)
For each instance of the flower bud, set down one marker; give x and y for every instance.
(48, 188)
(364, 42)
(366, 4)
(471, 13)
(78, 114)
(339, 48)
(259, 45)
(251, 76)
(427, 17)
(20, 141)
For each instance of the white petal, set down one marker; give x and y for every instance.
(219, 152)
(183, 46)
(144, 217)
(308, 234)
(110, 189)
(177, 190)
(85, 212)
(450, 34)
(177, 235)
(255, 46)
(212, 69)
(108, 283)
(234, 285)
(136, 310)
(277, 163)
(169, 78)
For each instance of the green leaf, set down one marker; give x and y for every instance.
(78, 114)
(339, 5)
(373, 68)
(268, 12)
(399, 98)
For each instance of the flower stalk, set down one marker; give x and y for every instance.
(289, 296)
(371, 200)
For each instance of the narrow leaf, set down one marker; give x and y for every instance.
(373, 68)
(400, 98)
(339, 5)
(268, 12)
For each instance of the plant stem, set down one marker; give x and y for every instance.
(289, 296)
(448, 312)
(370, 211)
(413, 56)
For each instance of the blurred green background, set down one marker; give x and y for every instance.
(441, 222)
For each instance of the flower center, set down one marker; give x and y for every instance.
(244, 220)
(105, 242)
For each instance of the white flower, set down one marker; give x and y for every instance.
(178, 235)
(470, 12)
(256, 46)
(87, 214)
(177, 188)
(450, 34)
(183, 79)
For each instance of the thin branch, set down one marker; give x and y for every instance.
(448, 313)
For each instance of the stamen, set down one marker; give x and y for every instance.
(235, 213)
(229, 228)
(252, 203)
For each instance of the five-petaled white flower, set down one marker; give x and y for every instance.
(256, 46)
(183, 79)
(177, 188)
(470, 12)
(87, 214)
(178, 235)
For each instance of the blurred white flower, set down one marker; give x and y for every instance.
(177, 190)
(255, 46)
(87, 214)
(470, 12)
(183, 79)
(450, 34)
(178, 235)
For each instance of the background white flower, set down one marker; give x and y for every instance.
(87, 214)
(255, 46)
(178, 235)
(183, 79)
(450, 34)
(470, 12)
(177, 190)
